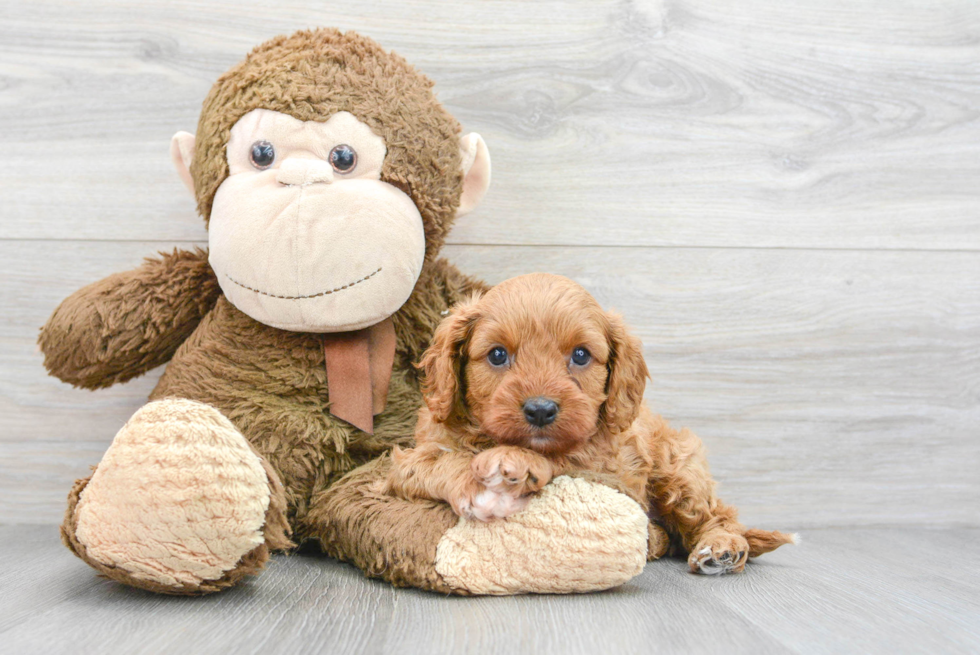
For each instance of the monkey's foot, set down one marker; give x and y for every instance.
(179, 504)
(574, 536)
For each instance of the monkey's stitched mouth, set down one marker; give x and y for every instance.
(312, 295)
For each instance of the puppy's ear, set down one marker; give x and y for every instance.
(627, 376)
(443, 362)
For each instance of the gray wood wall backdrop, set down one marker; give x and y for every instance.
(783, 197)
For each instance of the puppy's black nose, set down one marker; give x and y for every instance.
(540, 411)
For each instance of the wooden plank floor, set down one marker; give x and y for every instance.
(841, 591)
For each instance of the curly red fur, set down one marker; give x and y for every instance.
(478, 451)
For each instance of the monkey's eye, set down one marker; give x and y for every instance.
(262, 155)
(343, 159)
(497, 356)
(581, 356)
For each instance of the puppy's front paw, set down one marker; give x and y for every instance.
(719, 552)
(503, 478)
(514, 471)
(477, 502)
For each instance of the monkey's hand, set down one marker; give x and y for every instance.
(123, 326)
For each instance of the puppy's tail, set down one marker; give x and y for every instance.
(764, 541)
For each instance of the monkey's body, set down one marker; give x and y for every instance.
(272, 385)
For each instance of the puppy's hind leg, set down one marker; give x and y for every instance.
(722, 551)
(682, 489)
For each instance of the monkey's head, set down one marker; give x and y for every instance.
(328, 175)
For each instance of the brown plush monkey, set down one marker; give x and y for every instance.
(329, 176)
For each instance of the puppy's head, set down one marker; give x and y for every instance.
(534, 363)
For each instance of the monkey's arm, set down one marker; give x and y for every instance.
(123, 326)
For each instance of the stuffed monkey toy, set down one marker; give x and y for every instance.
(328, 176)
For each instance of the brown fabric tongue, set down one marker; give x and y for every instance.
(359, 371)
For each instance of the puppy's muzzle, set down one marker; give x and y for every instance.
(540, 411)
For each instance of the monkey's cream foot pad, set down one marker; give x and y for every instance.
(574, 536)
(178, 499)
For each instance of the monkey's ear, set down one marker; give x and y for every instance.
(476, 172)
(182, 152)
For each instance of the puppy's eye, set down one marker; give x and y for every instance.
(497, 356)
(343, 159)
(262, 155)
(581, 356)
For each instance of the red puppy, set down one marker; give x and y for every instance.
(534, 380)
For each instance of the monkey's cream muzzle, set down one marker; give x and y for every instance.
(303, 172)
(300, 245)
